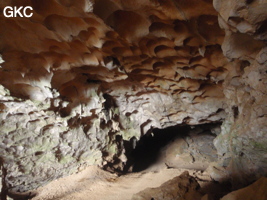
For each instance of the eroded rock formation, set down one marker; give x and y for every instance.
(80, 80)
(181, 187)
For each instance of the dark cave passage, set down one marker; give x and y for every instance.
(149, 148)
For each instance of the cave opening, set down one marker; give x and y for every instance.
(151, 147)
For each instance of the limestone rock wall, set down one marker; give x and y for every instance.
(81, 78)
(243, 141)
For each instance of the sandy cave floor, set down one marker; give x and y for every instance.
(93, 184)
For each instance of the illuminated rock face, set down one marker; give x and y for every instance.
(242, 142)
(79, 75)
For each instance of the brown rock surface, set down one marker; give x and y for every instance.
(257, 190)
(183, 187)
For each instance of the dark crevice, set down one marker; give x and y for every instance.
(92, 80)
(249, 1)
(114, 60)
(244, 64)
(263, 28)
(4, 186)
(109, 102)
(235, 111)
